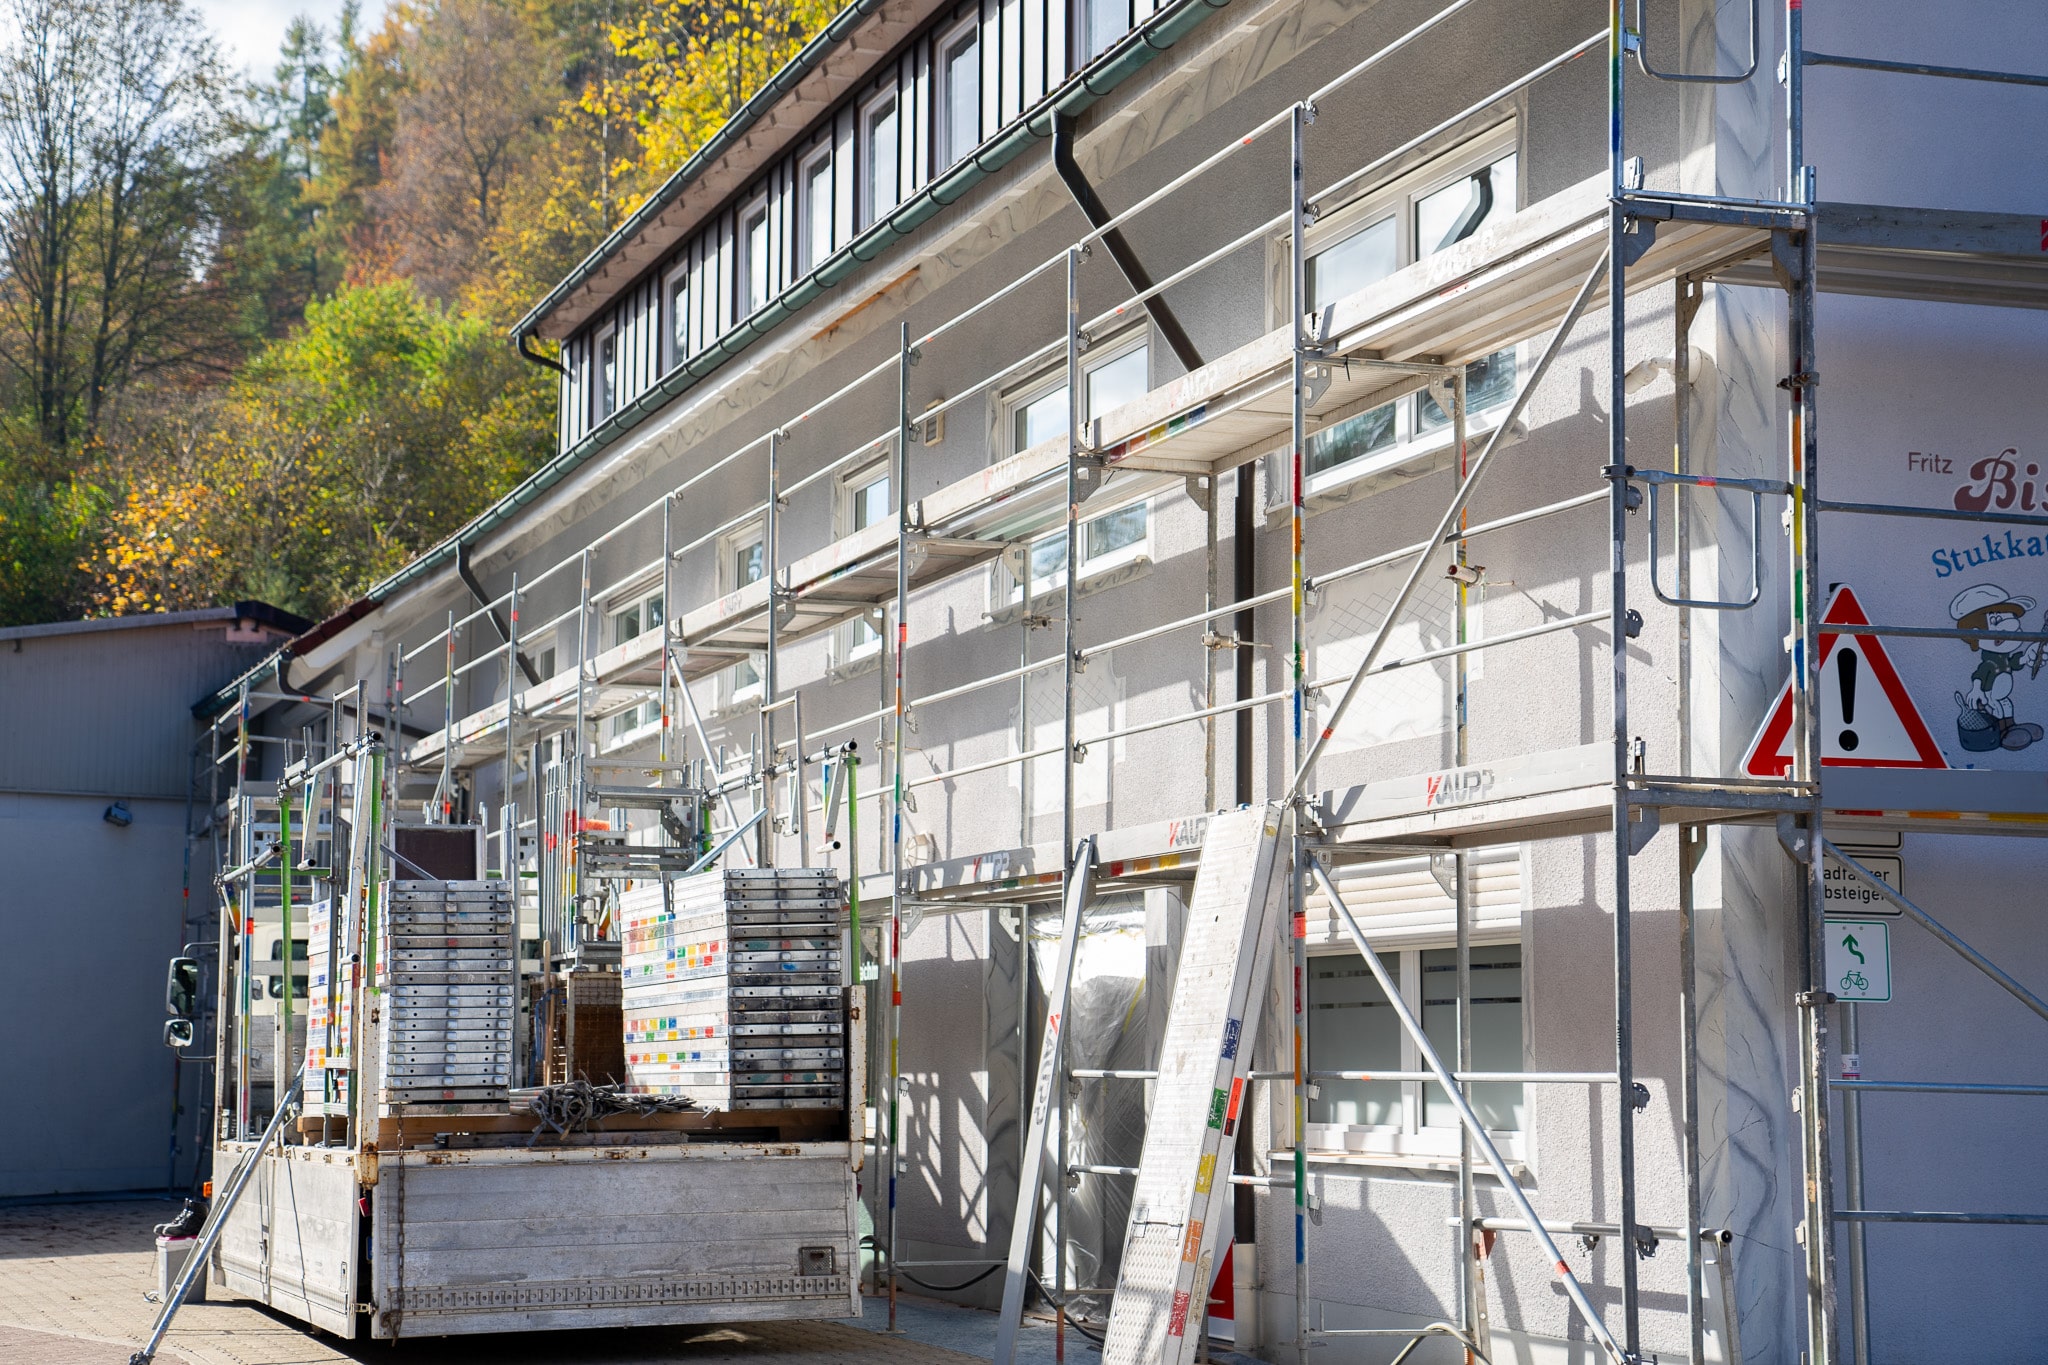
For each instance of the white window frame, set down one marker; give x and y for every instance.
(1411, 1139)
(604, 392)
(623, 726)
(871, 209)
(744, 302)
(1007, 589)
(849, 651)
(732, 693)
(1096, 357)
(947, 148)
(1398, 199)
(675, 313)
(808, 206)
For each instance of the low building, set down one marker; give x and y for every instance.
(103, 794)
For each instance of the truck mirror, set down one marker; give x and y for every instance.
(178, 1033)
(181, 991)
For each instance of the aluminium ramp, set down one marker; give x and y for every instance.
(1169, 1250)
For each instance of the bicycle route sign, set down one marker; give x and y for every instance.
(1860, 960)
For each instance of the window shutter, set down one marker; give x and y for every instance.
(1399, 904)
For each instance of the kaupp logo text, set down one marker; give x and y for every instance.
(1456, 787)
(1996, 483)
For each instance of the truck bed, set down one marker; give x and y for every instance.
(501, 1239)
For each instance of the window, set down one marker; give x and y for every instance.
(745, 562)
(675, 302)
(865, 500)
(1102, 23)
(604, 373)
(1108, 540)
(959, 108)
(1352, 1027)
(814, 231)
(1121, 373)
(757, 263)
(1368, 240)
(636, 617)
(544, 662)
(879, 146)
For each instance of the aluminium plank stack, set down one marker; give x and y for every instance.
(734, 989)
(447, 962)
(330, 1016)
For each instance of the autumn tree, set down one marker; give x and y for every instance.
(481, 86)
(109, 139)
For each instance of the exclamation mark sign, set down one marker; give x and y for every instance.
(1845, 671)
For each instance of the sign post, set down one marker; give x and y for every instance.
(1860, 960)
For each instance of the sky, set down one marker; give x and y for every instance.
(250, 30)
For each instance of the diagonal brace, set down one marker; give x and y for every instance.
(1448, 523)
(1466, 1115)
(1942, 932)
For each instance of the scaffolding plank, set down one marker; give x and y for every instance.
(1169, 1250)
(1938, 255)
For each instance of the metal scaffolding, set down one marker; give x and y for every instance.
(1541, 275)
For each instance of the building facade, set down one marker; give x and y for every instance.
(816, 485)
(100, 786)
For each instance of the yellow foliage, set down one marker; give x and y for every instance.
(689, 66)
(157, 554)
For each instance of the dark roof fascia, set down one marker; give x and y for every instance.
(260, 612)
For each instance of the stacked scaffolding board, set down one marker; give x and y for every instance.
(330, 1016)
(735, 989)
(447, 958)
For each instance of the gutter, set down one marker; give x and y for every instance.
(1124, 59)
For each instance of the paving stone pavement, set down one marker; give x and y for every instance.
(73, 1277)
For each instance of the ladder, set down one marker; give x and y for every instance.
(1204, 1063)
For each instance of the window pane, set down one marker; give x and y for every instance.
(962, 66)
(651, 610)
(1113, 531)
(818, 205)
(881, 159)
(745, 675)
(1350, 439)
(1496, 1031)
(1365, 257)
(1460, 209)
(1351, 1027)
(679, 318)
(1488, 381)
(1040, 420)
(746, 564)
(625, 625)
(871, 503)
(1116, 382)
(607, 373)
(1108, 20)
(1048, 557)
(758, 262)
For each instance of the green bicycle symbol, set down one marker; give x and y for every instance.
(1853, 980)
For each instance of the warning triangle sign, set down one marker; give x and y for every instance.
(1867, 720)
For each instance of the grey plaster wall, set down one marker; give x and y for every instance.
(1381, 1253)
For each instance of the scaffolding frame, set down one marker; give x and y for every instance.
(1778, 231)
